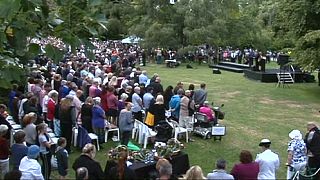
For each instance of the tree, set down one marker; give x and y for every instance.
(74, 21)
(299, 22)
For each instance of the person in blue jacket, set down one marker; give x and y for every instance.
(174, 104)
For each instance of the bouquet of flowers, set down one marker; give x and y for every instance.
(173, 147)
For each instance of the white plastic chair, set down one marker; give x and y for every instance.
(135, 130)
(179, 130)
(110, 130)
(95, 137)
(147, 133)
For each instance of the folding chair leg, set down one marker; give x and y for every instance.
(145, 142)
(98, 146)
(187, 137)
(106, 136)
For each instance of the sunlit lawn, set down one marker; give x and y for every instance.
(254, 111)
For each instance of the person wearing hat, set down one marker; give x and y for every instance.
(4, 151)
(205, 109)
(29, 166)
(297, 158)
(268, 161)
(312, 140)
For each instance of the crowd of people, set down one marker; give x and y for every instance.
(107, 91)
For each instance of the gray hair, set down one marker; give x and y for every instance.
(221, 164)
(165, 169)
(3, 129)
(53, 93)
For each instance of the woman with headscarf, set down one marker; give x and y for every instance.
(67, 120)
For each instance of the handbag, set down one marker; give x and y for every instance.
(149, 119)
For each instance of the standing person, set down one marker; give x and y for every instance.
(159, 55)
(148, 99)
(29, 166)
(122, 101)
(86, 160)
(247, 168)
(45, 145)
(86, 114)
(4, 151)
(98, 119)
(200, 95)
(158, 109)
(157, 86)
(220, 171)
(312, 140)
(112, 102)
(167, 95)
(185, 118)
(297, 153)
(30, 128)
(18, 149)
(268, 161)
(137, 104)
(44, 103)
(3, 120)
(174, 104)
(143, 78)
(51, 106)
(67, 120)
(126, 123)
(62, 158)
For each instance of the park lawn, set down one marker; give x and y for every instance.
(253, 110)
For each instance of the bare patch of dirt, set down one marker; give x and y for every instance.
(231, 94)
(290, 104)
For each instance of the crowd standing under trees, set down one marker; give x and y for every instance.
(79, 90)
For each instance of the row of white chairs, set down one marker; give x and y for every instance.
(94, 137)
(142, 132)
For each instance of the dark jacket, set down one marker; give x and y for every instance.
(313, 142)
(128, 173)
(94, 168)
(62, 159)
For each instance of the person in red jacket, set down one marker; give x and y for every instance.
(53, 100)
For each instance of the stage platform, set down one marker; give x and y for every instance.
(230, 66)
(270, 75)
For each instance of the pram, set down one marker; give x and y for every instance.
(206, 128)
(164, 131)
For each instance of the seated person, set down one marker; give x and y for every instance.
(205, 109)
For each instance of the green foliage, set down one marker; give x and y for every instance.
(307, 50)
(73, 21)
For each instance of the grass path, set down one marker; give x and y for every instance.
(254, 111)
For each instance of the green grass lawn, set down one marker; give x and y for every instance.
(254, 111)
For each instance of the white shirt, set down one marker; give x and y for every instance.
(30, 169)
(45, 104)
(268, 163)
